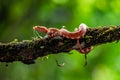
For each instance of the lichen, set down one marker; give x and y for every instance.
(29, 50)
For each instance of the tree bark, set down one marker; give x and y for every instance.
(29, 50)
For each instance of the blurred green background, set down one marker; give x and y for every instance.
(17, 17)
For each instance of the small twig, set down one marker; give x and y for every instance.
(29, 50)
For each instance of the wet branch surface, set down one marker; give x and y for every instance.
(27, 51)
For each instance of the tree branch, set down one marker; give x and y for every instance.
(29, 50)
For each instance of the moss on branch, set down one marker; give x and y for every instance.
(29, 50)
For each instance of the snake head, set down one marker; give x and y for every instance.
(41, 29)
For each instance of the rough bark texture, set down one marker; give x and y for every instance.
(29, 50)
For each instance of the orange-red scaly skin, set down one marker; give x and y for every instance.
(77, 34)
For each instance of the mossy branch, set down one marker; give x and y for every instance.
(29, 50)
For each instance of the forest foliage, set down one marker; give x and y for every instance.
(17, 17)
